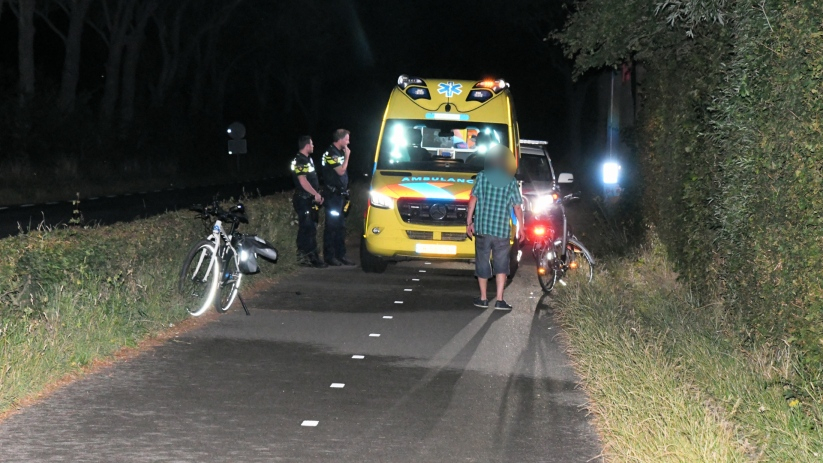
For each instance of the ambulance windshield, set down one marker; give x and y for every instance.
(434, 145)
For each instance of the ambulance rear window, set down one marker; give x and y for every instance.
(432, 145)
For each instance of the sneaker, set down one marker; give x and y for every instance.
(482, 303)
(334, 262)
(345, 261)
(502, 305)
(316, 262)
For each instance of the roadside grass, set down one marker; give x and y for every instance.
(671, 378)
(70, 297)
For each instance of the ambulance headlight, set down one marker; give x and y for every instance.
(380, 200)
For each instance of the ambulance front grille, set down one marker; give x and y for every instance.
(445, 236)
(433, 211)
(419, 235)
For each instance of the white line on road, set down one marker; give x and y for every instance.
(374, 335)
(408, 290)
(358, 357)
(337, 385)
(92, 199)
(3, 208)
(52, 203)
(27, 205)
(415, 279)
(422, 271)
(398, 302)
(310, 423)
(387, 317)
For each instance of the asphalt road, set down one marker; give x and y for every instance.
(333, 365)
(130, 206)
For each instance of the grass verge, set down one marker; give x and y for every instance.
(672, 379)
(71, 297)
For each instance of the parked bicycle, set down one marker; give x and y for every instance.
(556, 250)
(214, 267)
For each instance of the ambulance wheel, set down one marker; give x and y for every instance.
(514, 262)
(369, 262)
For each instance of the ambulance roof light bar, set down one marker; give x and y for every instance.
(495, 85)
(525, 141)
(404, 81)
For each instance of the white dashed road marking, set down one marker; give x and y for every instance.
(310, 423)
(337, 385)
(27, 205)
(387, 317)
(3, 208)
(422, 271)
(408, 290)
(374, 335)
(415, 279)
(358, 357)
(398, 302)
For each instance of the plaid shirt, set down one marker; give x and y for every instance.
(493, 211)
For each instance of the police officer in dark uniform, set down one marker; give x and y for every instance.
(306, 197)
(334, 165)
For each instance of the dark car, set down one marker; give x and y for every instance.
(539, 184)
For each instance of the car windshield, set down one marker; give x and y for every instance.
(536, 168)
(436, 145)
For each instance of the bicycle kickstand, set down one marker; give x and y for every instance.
(246, 309)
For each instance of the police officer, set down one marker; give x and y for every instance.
(336, 179)
(306, 197)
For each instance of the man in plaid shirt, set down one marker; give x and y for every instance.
(494, 195)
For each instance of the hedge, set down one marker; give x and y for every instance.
(731, 147)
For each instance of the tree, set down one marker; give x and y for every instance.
(76, 10)
(24, 10)
(168, 20)
(134, 43)
(112, 23)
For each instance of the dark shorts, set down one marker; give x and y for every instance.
(491, 252)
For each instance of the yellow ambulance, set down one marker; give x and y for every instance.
(432, 140)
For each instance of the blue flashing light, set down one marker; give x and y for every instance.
(611, 173)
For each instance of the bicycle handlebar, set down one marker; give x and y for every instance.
(204, 212)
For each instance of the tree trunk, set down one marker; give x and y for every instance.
(133, 46)
(25, 49)
(171, 54)
(117, 42)
(71, 65)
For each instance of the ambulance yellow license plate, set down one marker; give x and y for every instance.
(439, 249)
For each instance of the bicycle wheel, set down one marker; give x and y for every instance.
(199, 278)
(581, 261)
(546, 269)
(229, 282)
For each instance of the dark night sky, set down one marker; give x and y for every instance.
(458, 39)
(375, 41)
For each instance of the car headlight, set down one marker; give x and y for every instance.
(543, 203)
(380, 200)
